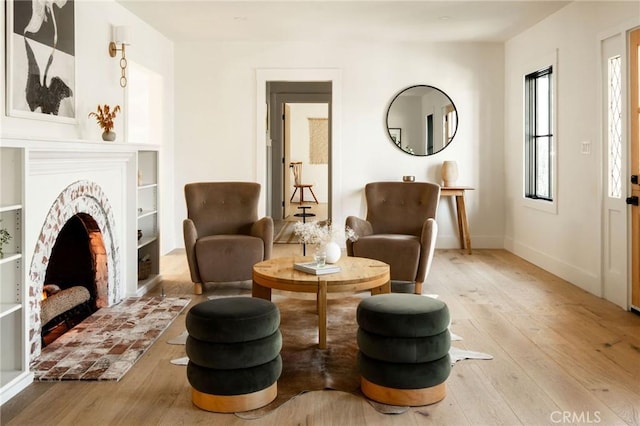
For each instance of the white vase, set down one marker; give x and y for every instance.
(449, 173)
(333, 252)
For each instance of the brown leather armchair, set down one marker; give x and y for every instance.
(222, 234)
(400, 228)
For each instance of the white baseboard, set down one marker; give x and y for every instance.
(14, 387)
(146, 286)
(579, 277)
(477, 242)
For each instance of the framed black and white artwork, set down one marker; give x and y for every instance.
(40, 61)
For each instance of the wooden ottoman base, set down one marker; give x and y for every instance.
(403, 397)
(234, 403)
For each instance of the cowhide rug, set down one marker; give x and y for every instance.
(308, 368)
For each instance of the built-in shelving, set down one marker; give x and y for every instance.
(147, 217)
(14, 361)
(10, 208)
(8, 308)
(10, 257)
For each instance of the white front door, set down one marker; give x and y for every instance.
(615, 146)
(634, 113)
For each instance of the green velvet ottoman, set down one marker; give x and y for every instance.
(403, 342)
(234, 353)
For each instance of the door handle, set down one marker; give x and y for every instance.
(634, 179)
(632, 200)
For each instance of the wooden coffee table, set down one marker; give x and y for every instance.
(357, 274)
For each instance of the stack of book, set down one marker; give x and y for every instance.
(313, 268)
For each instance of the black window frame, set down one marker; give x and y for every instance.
(532, 137)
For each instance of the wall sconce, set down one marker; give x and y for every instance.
(121, 35)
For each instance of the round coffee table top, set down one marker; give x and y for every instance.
(278, 273)
(356, 274)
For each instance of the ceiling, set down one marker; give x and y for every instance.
(340, 20)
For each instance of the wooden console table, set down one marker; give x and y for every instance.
(463, 225)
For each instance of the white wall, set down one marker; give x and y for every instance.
(216, 119)
(97, 82)
(567, 243)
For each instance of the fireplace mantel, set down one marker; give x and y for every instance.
(54, 162)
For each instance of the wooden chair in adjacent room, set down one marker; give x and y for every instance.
(297, 182)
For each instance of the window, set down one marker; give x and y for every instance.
(539, 135)
(615, 126)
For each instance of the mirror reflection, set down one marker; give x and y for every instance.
(422, 120)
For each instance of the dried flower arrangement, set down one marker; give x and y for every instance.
(321, 233)
(105, 116)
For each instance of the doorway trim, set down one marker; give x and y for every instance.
(334, 75)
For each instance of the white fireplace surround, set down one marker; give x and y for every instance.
(65, 179)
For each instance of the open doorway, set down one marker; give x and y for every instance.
(306, 153)
(299, 130)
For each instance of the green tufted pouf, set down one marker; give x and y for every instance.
(404, 375)
(234, 348)
(403, 315)
(241, 381)
(411, 350)
(232, 319)
(404, 343)
(229, 356)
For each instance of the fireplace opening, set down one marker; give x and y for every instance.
(75, 277)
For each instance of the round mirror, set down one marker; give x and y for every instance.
(422, 120)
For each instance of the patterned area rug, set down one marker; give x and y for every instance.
(108, 343)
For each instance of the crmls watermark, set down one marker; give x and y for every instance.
(588, 417)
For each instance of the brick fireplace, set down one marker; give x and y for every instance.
(62, 185)
(81, 197)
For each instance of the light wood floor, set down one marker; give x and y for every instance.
(562, 356)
